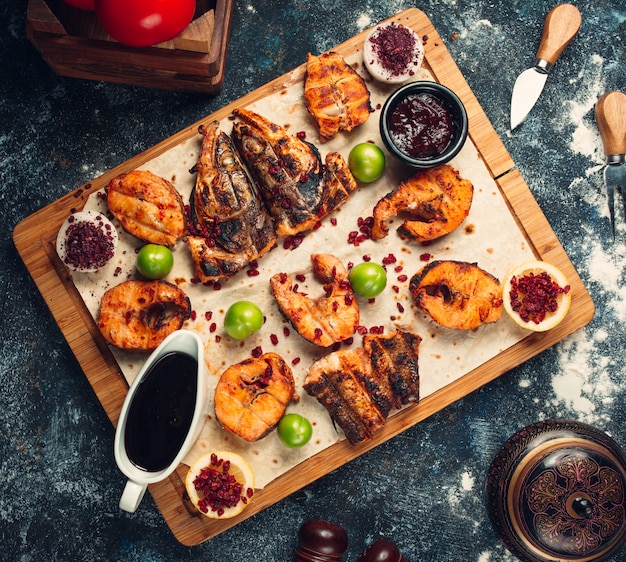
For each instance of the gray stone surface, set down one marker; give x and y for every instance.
(59, 486)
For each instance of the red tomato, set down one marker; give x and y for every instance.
(139, 23)
(82, 4)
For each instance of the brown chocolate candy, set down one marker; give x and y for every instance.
(381, 550)
(321, 541)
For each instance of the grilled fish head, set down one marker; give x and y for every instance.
(229, 223)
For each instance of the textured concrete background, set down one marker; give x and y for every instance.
(59, 486)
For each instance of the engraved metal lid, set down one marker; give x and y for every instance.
(556, 492)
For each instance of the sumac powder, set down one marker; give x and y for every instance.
(88, 244)
(395, 47)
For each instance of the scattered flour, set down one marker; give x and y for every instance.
(467, 482)
(364, 21)
(587, 88)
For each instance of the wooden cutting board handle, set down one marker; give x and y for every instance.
(561, 25)
(611, 120)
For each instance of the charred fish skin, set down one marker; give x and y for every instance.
(298, 189)
(224, 199)
(328, 396)
(394, 357)
(359, 387)
(231, 226)
(288, 171)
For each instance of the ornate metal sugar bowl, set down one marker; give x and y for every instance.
(556, 492)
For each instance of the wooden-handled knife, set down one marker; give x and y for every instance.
(561, 25)
(611, 119)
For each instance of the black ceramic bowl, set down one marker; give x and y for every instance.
(423, 124)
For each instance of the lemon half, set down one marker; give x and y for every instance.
(217, 466)
(546, 286)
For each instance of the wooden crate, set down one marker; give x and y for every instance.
(73, 43)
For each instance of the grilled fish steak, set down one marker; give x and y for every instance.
(252, 396)
(324, 321)
(360, 387)
(437, 201)
(297, 189)
(139, 315)
(231, 226)
(335, 95)
(147, 206)
(457, 295)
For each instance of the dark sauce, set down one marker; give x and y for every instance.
(421, 126)
(161, 412)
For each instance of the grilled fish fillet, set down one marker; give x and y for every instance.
(329, 319)
(335, 95)
(147, 206)
(298, 190)
(139, 315)
(231, 226)
(359, 387)
(252, 396)
(457, 295)
(437, 200)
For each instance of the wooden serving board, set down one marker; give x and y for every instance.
(35, 237)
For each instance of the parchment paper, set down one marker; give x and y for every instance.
(489, 237)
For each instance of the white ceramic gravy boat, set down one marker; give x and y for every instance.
(139, 448)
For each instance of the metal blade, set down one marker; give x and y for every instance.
(615, 179)
(526, 92)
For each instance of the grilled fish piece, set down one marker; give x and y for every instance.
(335, 95)
(324, 321)
(297, 189)
(139, 315)
(252, 396)
(438, 200)
(231, 226)
(394, 362)
(457, 295)
(335, 381)
(147, 206)
(359, 387)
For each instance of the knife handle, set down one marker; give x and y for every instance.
(561, 25)
(611, 120)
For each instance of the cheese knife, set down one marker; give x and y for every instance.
(561, 25)
(611, 119)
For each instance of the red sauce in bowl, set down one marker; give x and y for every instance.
(421, 126)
